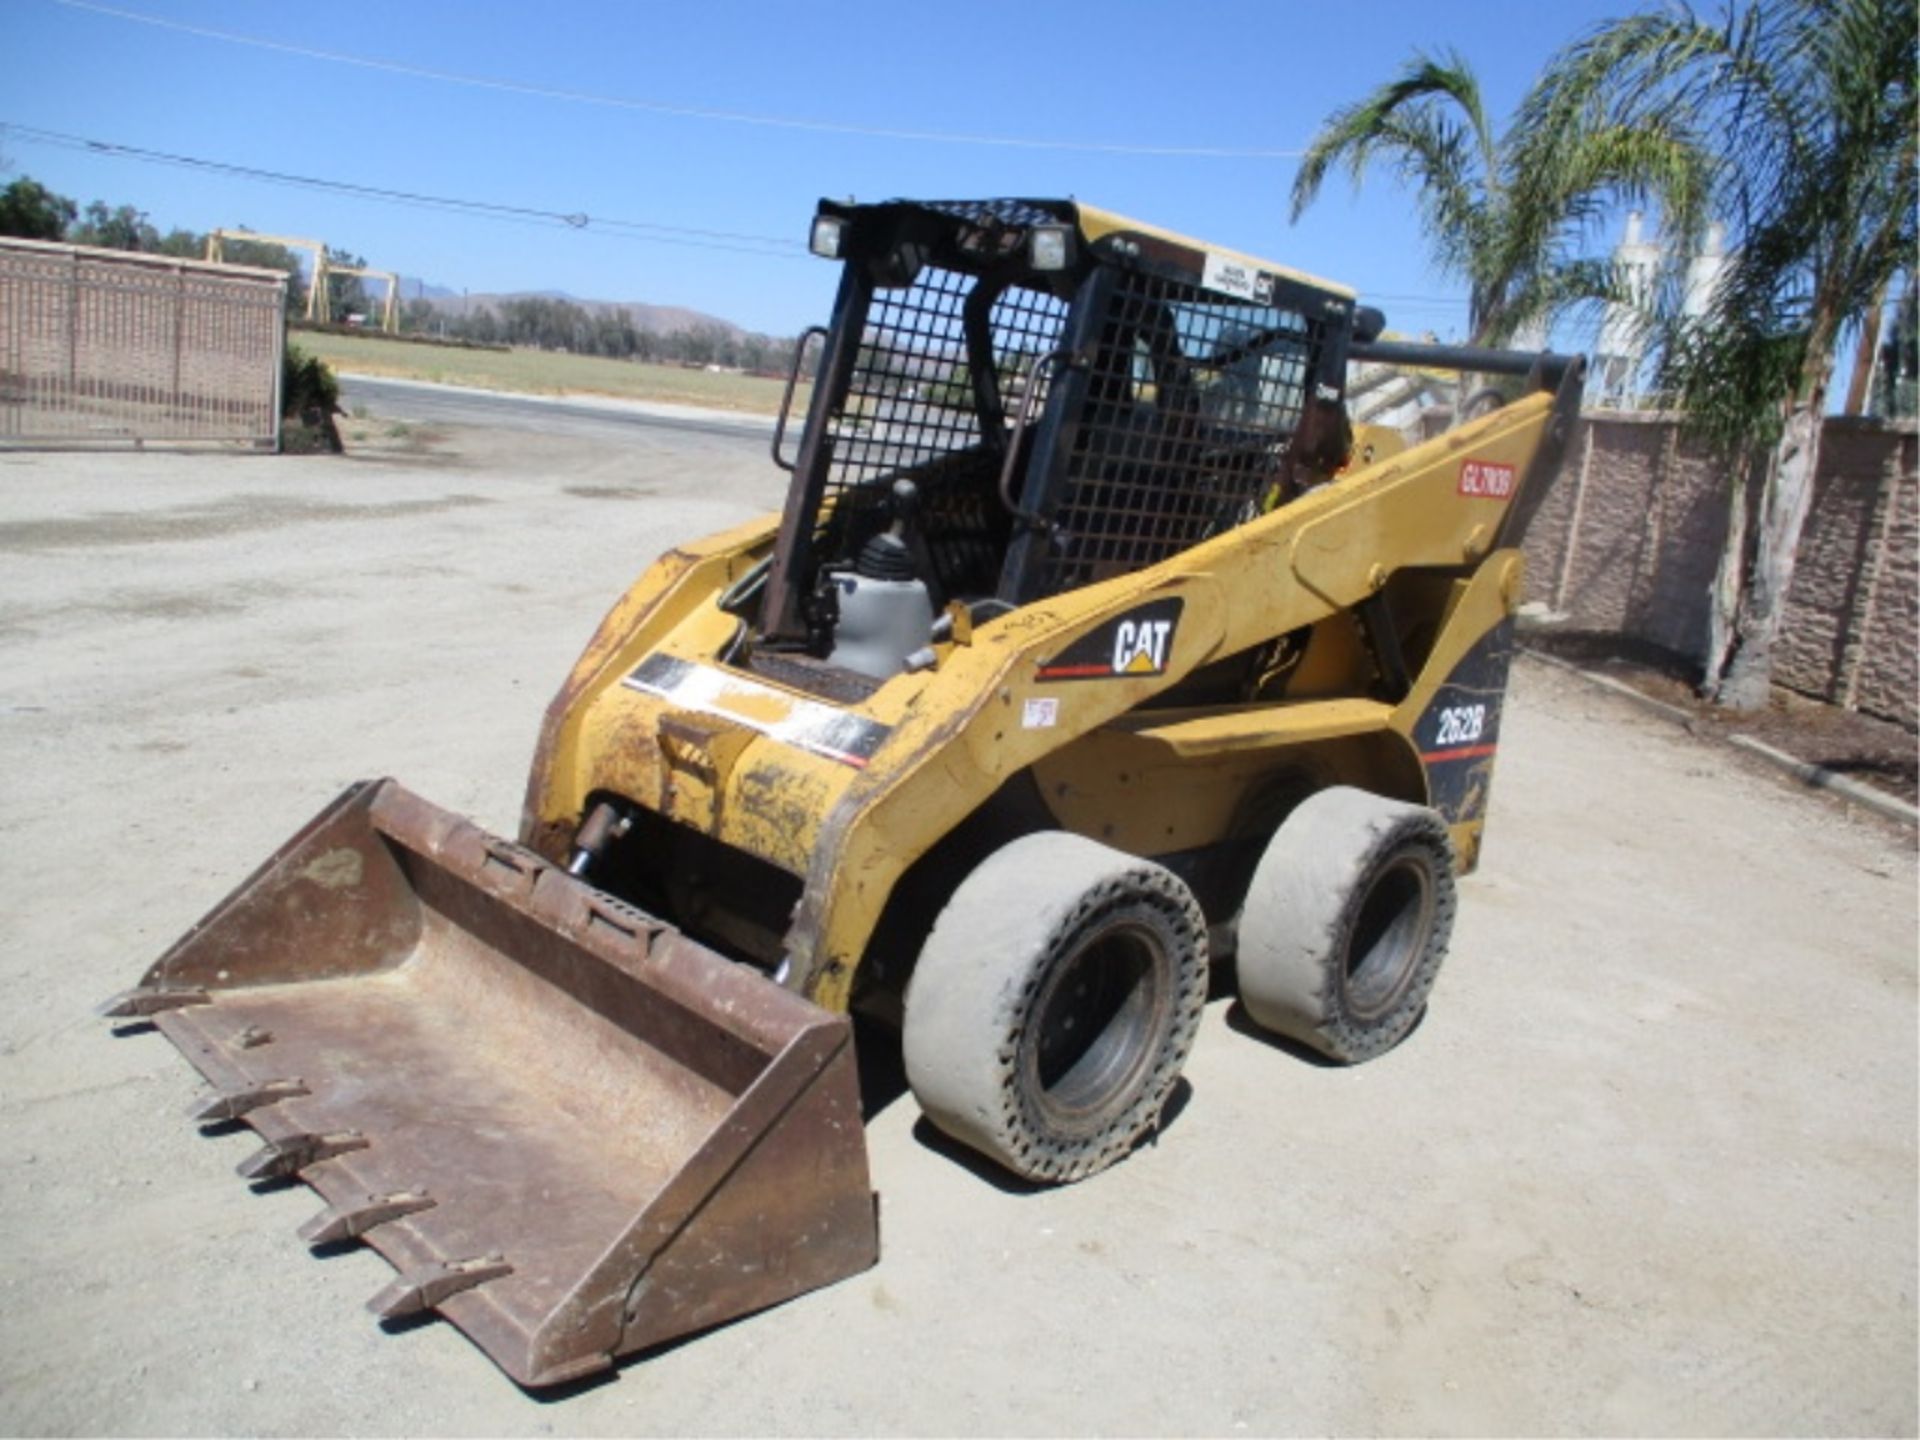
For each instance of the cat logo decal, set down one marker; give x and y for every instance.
(1130, 646)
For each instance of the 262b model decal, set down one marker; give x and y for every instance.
(1458, 734)
(1460, 725)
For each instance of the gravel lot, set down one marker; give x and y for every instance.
(1648, 1166)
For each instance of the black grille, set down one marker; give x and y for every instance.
(1020, 214)
(1191, 397)
(816, 677)
(994, 227)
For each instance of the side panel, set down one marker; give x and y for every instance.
(1458, 733)
(681, 584)
(1452, 716)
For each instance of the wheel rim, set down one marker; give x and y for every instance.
(1389, 935)
(1093, 1025)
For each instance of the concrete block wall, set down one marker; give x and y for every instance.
(1630, 539)
(1852, 619)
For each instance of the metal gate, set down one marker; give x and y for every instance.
(108, 347)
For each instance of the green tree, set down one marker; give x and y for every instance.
(418, 317)
(1806, 108)
(1900, 360)
(309, 399)
(482, 325)
(122, 228)
(1513, 232)
(346, 295)
(32, 212)
(265, 255)
(183, 244)
(701, 344)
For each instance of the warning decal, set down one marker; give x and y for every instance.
(1236, 277)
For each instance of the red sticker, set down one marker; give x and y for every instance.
(1486, 480)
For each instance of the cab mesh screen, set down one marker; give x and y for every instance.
(1191, 398)
(912, 405)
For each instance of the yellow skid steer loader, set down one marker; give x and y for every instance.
(1093, 641)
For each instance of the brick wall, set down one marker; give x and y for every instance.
(1629, 541)
(105, 347)
(1857, 592)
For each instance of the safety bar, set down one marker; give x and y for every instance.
(786, 399)
(1548, 367)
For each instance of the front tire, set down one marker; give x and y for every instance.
(1054, 1004)
(1346, 923)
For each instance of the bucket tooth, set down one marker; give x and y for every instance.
(351, 1219)
(279, 1158)
(232, 1104)
(425, 1286)
(145, 1000)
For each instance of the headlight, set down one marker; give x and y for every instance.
(828, 232)
(1050, 247)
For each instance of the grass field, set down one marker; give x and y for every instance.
(537, 372)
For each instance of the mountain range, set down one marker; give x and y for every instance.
(653, 319)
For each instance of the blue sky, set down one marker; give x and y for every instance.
(1244, 78)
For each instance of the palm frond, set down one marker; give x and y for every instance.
(1404, 110)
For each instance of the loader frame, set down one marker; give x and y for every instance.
(1130, 707)
(1077, 541)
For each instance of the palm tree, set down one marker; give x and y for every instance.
(1514, 233)
(1808, 106)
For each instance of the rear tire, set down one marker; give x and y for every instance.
(1346, 923)
(1054, 1004)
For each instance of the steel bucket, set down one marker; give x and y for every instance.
(572, 1130)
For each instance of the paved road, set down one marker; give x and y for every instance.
(587, 418)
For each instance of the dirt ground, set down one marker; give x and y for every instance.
(1875, 752)
(1648, 1167)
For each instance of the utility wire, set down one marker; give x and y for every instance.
(774, 246)
(777, 247)
(657, 107)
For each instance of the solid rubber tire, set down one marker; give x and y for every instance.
(1033, 926)
(1342, 863)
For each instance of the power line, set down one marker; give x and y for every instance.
(776, 247)
(658, 232)
(657, 107)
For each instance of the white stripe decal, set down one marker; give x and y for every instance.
(806, 724)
